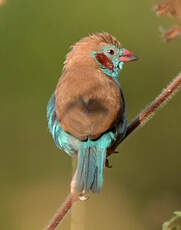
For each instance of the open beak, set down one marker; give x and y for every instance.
(128, 56)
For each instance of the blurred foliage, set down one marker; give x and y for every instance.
(143, 187)
(174, 223)
(171, 8)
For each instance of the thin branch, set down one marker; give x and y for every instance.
(142, 117)
(62, 211)
(150, 110)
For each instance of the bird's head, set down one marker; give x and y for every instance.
(111, 58)
(101, 51)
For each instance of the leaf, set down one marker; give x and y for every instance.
(172, 33)
(172, 7)
(174, 223)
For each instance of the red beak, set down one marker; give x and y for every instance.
(128, 56)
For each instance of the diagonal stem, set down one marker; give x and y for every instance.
(140, 119)
(156, 104)
(62, 211)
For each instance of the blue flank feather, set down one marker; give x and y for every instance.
(62, 139)
(91, 153)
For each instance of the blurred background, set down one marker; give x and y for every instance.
(143, 188)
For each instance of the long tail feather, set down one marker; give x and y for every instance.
(89, 172)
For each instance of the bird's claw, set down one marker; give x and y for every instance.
(107, 164)
(115, 152)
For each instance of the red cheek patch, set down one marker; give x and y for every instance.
(105, 61)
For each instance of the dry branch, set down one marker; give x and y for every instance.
(142, 117)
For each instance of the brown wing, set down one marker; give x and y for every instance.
(87, 104)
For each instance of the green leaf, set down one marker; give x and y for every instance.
(174, 223)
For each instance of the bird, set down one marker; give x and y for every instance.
(87, 111)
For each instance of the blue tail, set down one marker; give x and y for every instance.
(89, 173)
(91, 153)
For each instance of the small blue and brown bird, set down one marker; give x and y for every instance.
(86, 113)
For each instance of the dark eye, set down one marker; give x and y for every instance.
(111, 51)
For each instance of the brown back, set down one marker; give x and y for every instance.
(88, 102)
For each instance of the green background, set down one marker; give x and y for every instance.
(143, 188)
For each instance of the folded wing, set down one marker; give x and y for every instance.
(87, 105)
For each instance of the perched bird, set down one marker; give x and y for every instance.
(86, 113)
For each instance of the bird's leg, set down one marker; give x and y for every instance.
(107, 164)
(109, 153)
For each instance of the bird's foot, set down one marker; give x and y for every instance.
(115, 152)
(107, 163)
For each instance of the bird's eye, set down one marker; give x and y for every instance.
(111, 51)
